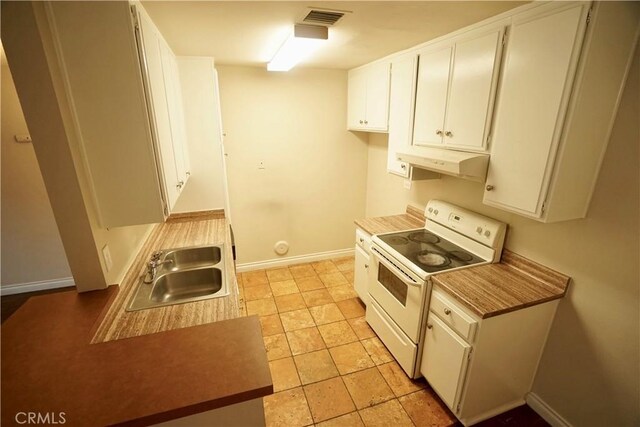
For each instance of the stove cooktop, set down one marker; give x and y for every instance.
(428, 251)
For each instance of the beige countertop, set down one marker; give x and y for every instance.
(512, 284)
(488, 290)
(413, 218)
(181, 232)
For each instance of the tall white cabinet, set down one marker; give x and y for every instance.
(558, 99)
(540, 66)
(165, 103)
(123, 82)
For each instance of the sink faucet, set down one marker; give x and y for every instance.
(152, 266)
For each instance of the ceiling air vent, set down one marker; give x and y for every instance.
(323, 17)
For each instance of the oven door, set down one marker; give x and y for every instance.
(399, 292)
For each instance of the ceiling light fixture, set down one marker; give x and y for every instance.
(304, 40)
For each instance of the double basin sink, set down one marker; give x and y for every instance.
(181, 275)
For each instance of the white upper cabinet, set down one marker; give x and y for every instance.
(550, 134)
(401, 102)
(96, 50)
(368, 98)
(167, 117)
(431, 98)
(455, 91)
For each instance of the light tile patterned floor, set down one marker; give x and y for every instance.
(328, 366)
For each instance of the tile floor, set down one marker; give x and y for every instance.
(328, 367)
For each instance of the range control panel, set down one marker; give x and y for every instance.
(480, 228)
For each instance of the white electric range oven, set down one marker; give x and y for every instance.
(403, 263)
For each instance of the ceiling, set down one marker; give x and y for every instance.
(250, 32)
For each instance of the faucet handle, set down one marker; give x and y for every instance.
(156, 255)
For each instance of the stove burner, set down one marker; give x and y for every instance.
(423, 237)
(433, 259)
(398, 240)
(462, 256)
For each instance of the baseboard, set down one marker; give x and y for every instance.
(300, 259)
(492, 413)
(543, 409)
(21, 288)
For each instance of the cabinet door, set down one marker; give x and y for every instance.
(401, 101)
(176, 114)
(536, 82)
(472, 85)
(161, 121)
(361, 274)
(357, 99)
(431, 96)
(444, 360)
(377, 99)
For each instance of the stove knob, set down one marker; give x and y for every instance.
(435, 212)
(487, 233)
(430, 210)
(479, 230)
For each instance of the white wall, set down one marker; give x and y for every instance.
(313, 183)
(590, 369)
(31, 247)
(204, 189)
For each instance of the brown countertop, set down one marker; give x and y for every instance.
(413, 218)
(48, 365)
(510, 285)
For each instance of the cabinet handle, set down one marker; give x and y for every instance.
(447, 311)
(366, 122)
(449, 134)
(429, 326)
(439, 132)
(366, 266)
(489, 187)
(403, 166)
(179, 184)
(361, 122)
(361, 240)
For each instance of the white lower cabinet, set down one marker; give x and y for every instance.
(482, 367)
(361, 273)
(444, 361)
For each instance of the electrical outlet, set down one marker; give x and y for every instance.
(106, 255)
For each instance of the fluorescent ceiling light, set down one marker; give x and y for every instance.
(304, 40)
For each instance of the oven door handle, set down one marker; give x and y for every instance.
(396, 272)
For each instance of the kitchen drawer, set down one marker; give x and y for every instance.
(363, 240)
(452, 313)
(402, 348)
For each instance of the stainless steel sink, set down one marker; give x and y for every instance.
(181, 285)
(185, 258)
(183, 275)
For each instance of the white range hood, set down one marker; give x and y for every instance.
(472, 166)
